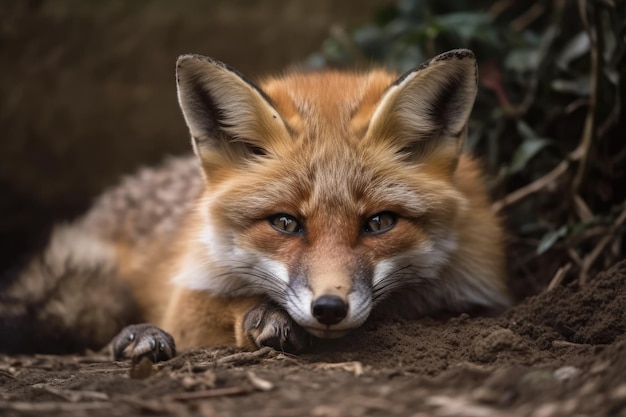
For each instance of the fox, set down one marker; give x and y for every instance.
(312, 200)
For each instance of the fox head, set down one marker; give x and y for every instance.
(326, 191)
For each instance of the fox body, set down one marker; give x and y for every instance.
(313, 198)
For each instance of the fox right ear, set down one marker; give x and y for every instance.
(227, 115)
(425, 112)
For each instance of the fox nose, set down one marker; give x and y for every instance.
(329, 309)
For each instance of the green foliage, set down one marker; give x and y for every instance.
(546, 121)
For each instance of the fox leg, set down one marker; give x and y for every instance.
(267, 324)
(143, 340)
(196, 318)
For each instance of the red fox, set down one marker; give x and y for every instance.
(312, 199)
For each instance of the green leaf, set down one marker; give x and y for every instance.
(529, 148)
(574, 49)
(549, 239)
(465, 24)
(579, 86)
(525, 130)
(523, 60)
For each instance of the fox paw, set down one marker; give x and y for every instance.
(269, 325)
(139, 341)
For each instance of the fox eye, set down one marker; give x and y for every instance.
(285, 223)
(258, 151)
(380, 223)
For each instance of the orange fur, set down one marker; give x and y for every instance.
(337, 148)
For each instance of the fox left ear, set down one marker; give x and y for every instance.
(426, 109)
(229, 117)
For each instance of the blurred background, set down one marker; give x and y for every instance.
(87, 94)
(87, 90)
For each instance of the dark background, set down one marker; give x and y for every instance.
(87, 94)
(88, 91)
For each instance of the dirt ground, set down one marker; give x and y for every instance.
(561, 353)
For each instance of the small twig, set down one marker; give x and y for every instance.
(575, 105)
(53, 406)
(355, 366)
(6, 373)
(558, 277)
(528, 17)
(574, 256)
(209, 393)
(589, 260)
(590, 233)
(529, 189)
(500, 7)
(565, 343)
(586, 140)
(74, 396)
(259, 383)
(540, 183)
(154, 406)
(582, 209)
(184, 358)
(241, 358)
(92, 359)
(111, 371)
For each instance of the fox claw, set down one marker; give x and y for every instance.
(140, 341)
(268, 325)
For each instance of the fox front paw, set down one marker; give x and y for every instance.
(269, 325)
(140, 341)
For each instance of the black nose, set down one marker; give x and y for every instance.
(329, 309)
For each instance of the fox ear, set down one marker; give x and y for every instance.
(227, 115)
(427, 108)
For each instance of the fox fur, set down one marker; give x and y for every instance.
(325, 194)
